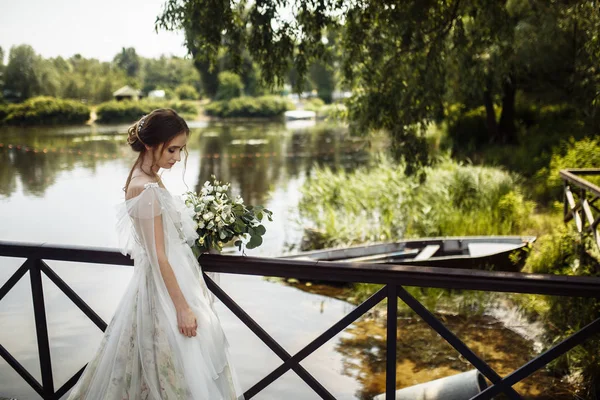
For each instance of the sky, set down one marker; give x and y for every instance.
(95, 29)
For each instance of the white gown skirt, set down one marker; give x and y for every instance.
(143, 355)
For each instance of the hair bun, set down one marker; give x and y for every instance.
(133, 138)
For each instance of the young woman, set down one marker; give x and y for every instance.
(165, 340)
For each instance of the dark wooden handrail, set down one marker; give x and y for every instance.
(393, 277)
(409, 275)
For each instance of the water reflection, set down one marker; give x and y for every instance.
(422, 355)
(252, 156)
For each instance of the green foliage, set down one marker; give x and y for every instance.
(559, 252)
(230, 86)
(45, 111)
(405, 61)
(584, 153)
(323, 78)
(381, 204)
(169, 73)
(21, 80)
(90, 80)
(314, 104)
(186, 92)
(574, 154)
(249, 107)
(128, 61)
(335, 111)
(129, 111)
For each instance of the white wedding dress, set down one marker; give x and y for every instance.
(142, 354)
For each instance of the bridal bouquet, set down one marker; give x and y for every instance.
(220, 219)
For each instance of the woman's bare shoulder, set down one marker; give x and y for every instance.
(137, 186)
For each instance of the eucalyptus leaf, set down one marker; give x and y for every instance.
(254, 242)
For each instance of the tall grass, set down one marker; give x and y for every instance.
(381, 203)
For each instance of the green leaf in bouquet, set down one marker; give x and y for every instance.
(269, 214)
(254, 242)
(238, 243)
(260, 230)
(259, 216)
(239, 225)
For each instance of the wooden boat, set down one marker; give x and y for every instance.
(499, 253)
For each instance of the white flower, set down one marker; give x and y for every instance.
(208, 215)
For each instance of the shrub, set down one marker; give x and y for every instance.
(249, 107)
(129, 111)
(314, 104)
(335, 111)
(186, 92)
(573, 154)
(230, 86)
(46, 111)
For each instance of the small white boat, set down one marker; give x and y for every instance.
(294, 115)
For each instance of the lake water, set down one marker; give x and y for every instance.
(60, 186)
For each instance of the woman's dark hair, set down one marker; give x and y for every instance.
(152, 131)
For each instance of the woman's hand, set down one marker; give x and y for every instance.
(186, 321)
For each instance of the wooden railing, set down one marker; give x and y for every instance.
(580, 197)
(393, 277)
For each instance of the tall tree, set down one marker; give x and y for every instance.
(128, 61)
(21, 78)
(397, 55)
(1, 72)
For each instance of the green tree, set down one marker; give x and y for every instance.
(186, 92)
(128, 61)
(168, 73)
(397, 56)
(1, 73)
(230, 86)
(322, 76)
(21, 78)
(49, 78)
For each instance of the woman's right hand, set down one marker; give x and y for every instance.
(186, 321)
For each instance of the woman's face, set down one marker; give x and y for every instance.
(172, 151)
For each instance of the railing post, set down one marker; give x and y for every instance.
(582, 197)
(41, 327)
(391, 342)
(565, 200)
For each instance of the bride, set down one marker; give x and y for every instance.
(165, 340)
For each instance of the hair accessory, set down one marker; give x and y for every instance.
(139, 128)
(141, 123)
